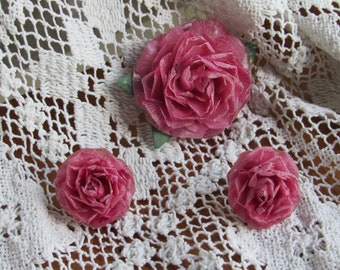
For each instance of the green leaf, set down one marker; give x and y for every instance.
(159, 138)
(251, 47)
(125, 83)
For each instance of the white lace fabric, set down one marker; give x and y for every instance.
(59, 64)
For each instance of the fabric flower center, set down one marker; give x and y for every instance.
(94, 188)
(264, 195)
(94, 185)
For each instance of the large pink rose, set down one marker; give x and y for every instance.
(94, 187)
(193, 80)
(263, 187)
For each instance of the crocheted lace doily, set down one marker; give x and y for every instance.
(59, 64)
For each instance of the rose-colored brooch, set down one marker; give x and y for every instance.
(94, 187)
(193, 80)
(263, 187)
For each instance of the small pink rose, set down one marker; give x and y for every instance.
(263, 187)
(94, 187)
(193, 80)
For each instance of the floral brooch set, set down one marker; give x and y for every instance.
(192, 82)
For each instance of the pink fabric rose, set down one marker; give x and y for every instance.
(94, 187)
(263, 187)
(193, 80)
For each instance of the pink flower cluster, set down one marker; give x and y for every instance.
(192, 82)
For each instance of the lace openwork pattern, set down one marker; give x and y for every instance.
(60, 61)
